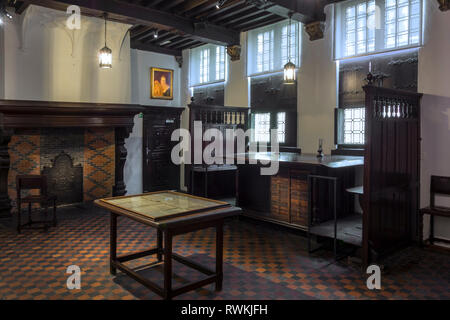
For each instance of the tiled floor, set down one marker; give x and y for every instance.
(261, 262)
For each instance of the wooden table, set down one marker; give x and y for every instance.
(171, 213)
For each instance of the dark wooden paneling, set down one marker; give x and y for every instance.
(210, 95)
(159, 172)
(391, 170)
(400, 70)
(269, 92)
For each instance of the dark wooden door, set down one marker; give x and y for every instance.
(159, 172)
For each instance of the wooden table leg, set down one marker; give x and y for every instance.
(431, 229)
(219, 255)
(167, 265)
(159, 241)
(113, 243)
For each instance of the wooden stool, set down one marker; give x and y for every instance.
(34, 182)
(438, 186)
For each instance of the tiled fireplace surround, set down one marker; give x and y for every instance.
(92, 149)
(90, 136)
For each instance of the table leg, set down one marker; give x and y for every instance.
(159, 241)
(113, 243)
(167, 265)
(219, 256)
(431, 229)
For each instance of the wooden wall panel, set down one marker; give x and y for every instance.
(400, 71)
(269, 92)
(210, 95)
(299, 198)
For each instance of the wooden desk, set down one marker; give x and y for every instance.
(283, 198)
(171, 213)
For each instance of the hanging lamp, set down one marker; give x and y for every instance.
(289, 67)
(105, 54)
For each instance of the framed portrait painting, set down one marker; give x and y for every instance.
(161, 83)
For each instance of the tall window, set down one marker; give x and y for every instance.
(264, 53)
(207, 65)
(220, 63)
(261, 127)
(370, 26)
(351, 126)
(263, 122)
(268, 48)
(204, 65)
(354, 121)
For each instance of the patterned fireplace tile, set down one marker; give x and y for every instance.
(99, 163)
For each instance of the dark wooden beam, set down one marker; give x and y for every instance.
(233, 12)
(134, 14)
(170, 4)
(189, 5)
(209, 9)
(257, 24)
(154, 48)
(255, 19)
(305, 11)
(21, 7)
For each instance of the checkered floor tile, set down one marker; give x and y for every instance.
(261, 262)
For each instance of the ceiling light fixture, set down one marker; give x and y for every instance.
(105, 54)
(155, 34)
(4, 14)
(289, 67)
(220, 3)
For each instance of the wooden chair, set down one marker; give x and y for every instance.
(438, 186)
(34, 182)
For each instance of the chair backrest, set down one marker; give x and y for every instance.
(31, 182)
(439, 185)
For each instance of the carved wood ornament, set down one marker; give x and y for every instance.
(315, 30)
(444, 5)
(234, 52)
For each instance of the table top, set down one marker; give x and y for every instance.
(163, 207)
(336, 161)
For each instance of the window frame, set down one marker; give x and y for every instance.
(212, 65)
(380, 35)
(277, 55)
(339, 129)
(274, 125)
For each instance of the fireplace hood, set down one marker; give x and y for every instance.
(32, 114)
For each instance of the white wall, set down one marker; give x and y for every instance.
(317, 91)
(46, 61)
(236, 88)
(141, 62)
(434, 71)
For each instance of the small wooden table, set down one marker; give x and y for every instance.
(171, 213)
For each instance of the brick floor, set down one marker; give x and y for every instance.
(261, 262)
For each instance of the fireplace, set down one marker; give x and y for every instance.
(65, 180)
(80, 146)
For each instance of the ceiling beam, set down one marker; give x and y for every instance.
(189, 5)
(305, 11)
(134, 14)
(154, 48)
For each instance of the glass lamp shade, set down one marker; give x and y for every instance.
(105, 58)
(289, 73)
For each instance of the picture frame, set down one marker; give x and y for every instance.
(161, 83)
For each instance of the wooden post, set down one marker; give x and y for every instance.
(121, 134)
(5, 201)
(167, 265)
(219, 255)
(113, 243)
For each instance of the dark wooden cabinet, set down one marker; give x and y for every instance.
(159, 172)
